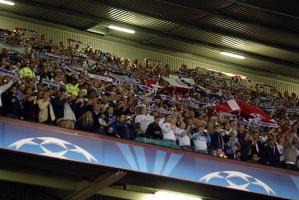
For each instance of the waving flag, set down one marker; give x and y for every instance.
(176, 81)
(248, 111)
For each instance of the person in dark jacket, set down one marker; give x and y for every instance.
(58, 104)
(216, 138)
(124, 128)
(110, 119)
(96, 115)
(30, 109)
(257, 145)
(12, 104)
(271, 154)
(82, 104)
(154, 130)
(246, 146)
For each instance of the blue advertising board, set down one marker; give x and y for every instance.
(122, 154)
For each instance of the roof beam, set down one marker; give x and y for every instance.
(90, 189)
(33, 178)
(210, 59)
(227, 17)
(243, 3)
(209, 28)
(203, 26)
(57, 9)
(157, 33)
(65, 184)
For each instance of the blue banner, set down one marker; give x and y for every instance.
(128, 155)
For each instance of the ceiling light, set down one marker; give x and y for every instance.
(232, 55)
(96, 30)
(162, 195)
(121, 29)
(7, 2)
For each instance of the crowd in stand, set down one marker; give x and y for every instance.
(90, 90)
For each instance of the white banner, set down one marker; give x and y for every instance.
(101, 78)
(125, 79)
(51, 84)
(146, 89)
(9, 73)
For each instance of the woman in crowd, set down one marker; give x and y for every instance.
(85, 122)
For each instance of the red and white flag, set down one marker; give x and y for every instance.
(248, 111)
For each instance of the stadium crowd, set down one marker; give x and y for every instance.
(91, 90)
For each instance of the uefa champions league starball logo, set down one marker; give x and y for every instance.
(53, 147)
(237, 180)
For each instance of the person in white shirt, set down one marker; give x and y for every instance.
(183, 136)
(161, 121)
(69, 118)
(168, 129)
(201, 139)
(144, 119)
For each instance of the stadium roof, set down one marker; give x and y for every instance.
(265, 32)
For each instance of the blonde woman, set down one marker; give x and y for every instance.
(46, 114)
(86, 122)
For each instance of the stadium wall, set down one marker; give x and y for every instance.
(134, 50)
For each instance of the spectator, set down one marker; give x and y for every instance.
(6, 86)
(85, 122)
(271, 154)
(65, 116)
(72, 87)
(96, 114)
(27, 71)
(246, 146)
(30, 108)
(154, 130)
(280, 146)
(124, 127)
(13, 106)
(80, 105)
(183, 136)
(168, 129)
(233, 145)
(46, 113)
(103, 124)
(216, 138)
(241, 131)
(290, 153)
(110, 120)
(201, 138)
(257, 145)
(237, 155)
(144, 119)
